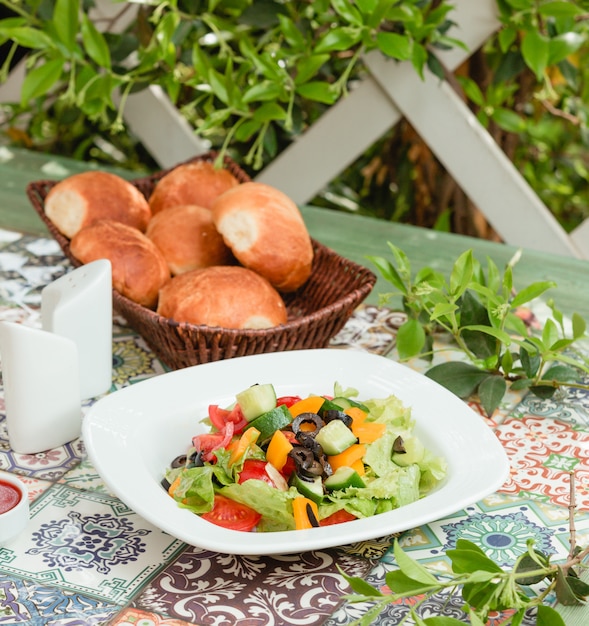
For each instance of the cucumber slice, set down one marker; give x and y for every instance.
(271, 421)
(256, 400)
(335, 437)
(414, 452)
(346, 403)
(343, 478)
(312, 489)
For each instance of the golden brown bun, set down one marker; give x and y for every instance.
(266, 233)
(82, 199)
(226, 296)
(139, 269)
(191, 183)
(188, 239)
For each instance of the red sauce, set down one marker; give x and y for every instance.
(9, 496)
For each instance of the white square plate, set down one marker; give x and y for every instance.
(133, 434)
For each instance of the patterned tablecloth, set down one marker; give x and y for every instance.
(86, 558)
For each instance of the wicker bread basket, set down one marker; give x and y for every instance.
(316, 312)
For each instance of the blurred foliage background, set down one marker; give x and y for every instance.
(251, 75)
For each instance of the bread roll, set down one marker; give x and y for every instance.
(139, 269)
(82, 199)
(188, 239)
(266, 233)
(197, 183)
(226, 296)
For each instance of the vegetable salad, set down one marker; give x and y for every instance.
(273, 463)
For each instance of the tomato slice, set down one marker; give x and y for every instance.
(233, 515)
(255, 468)
(339, 517)
(287, 400)
(207, 443)
(221, 417)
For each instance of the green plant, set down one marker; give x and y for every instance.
(478, 310)
(484, 585)
(240, 71)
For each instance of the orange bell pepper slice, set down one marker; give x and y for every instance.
(278, 449)
(306, 513)
(247, 439)
(346, 458)
(312, 404)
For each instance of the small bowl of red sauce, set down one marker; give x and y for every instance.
(14, 507)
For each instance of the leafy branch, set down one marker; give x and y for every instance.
(483, 584)
(481, 312)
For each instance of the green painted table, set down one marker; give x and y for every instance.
(352, 236)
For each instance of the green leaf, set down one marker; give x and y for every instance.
(507, 36)
(559, 9)
(561, 373)
(550, 333)
(579, 326)
(509, 120)
(307, 67)
(462, 379)
(530, 359)
(39, 80)
(491, 391)
(262, 91)
(410, 339)
(318, 91)
(562, 46)
(347, 11)
(499, 334)
(521, 383)
(472, 90)
(440, 620)
(247, 130)
(269, 111)
(564, 594)
(412, 568)
(543, 392)
(529, 293)
(461, 274)
(528, 564)
(27, 37)
(338, 39)
(535, 51)
(395, 45)
(360, 586)
(291, 33)
(472, 312)
(470, 561)
(66, 21)
(95, 43)
(398, 582)
(388, 272)
(547, 616)
(419, 59)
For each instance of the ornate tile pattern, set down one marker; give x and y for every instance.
(87, 559)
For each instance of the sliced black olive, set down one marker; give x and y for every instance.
(311, 515)
(305, 462)
(303, 457)
(399, 446)
(308, 441)
(309, 423)
(334, 414)
(165, 483)
(179, 461)
(195, 459)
